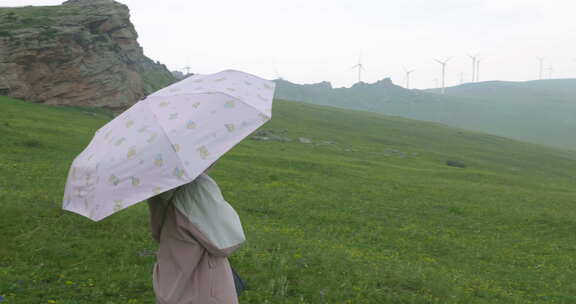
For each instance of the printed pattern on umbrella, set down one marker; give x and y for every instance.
(165, 141)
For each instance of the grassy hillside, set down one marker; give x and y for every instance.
(17, 18)
(528, 92)
(368, 213)
(542, 112)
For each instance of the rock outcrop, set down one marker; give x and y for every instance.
(361, 96)
(83, 52)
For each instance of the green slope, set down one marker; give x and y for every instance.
(529, 92)
(373, 216)
(541, 112)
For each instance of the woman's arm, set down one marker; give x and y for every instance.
(157, 207)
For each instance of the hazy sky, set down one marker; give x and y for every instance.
(308, 41)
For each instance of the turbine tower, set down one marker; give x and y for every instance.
(541, 60)
(408, 72)
(275, 69)
(478, 69)
(550, 70)
(474, 66)
(277, 73)
(443, 63)
(360, 68)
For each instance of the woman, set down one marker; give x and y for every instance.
(197, 229)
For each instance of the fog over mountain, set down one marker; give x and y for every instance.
(542, 111)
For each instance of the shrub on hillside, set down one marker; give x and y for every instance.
(32, 143)
(455, 163)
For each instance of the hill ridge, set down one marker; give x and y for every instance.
(541, 112)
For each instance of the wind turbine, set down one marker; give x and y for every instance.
(443, 63)
(408, 72)
(474, 66)
(360, 68)
(541, 59)
(478, 69)
(550, 70)
(276, 70)
(277, 73)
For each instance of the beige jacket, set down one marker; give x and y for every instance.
(200, 229)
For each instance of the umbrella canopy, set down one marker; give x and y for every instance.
(166, 140)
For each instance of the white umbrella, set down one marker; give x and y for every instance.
(166, 140)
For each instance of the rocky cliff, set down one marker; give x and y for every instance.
(83, 52)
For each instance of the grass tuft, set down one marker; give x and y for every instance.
(32, 143)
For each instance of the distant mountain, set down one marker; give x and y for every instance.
(537, 111)
(528, 91)
(361, 96)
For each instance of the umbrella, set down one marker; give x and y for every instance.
(166, 140)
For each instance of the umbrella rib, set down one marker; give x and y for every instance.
(167, 137)
(228, 95)
(166, 134)
(259, 111)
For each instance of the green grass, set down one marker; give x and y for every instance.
(155, 77)
(29, 16)
(376, 217)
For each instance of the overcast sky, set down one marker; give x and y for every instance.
(307, 41)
